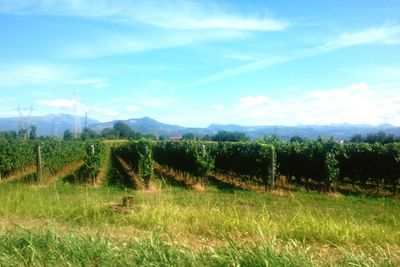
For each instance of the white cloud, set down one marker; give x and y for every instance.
(58, 103)
(132, 108)
(356, 104)
(384, 73)
(30, 74)
(172, 14)
(46, 74)
(105, 113)
(382, 35)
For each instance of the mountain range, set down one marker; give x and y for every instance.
(55, 125)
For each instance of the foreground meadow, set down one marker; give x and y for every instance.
(57, 223)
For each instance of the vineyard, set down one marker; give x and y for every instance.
(268, 202)
(324, 164)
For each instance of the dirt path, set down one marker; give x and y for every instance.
(129, 171)
(235, 183)
(177, 179)
(104, 171)
(19, 175)
(47, 179)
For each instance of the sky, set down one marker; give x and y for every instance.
(198, 62)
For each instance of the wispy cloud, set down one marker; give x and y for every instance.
(173, 14)
(117, 44)
(45, 74)
(383, 36)
(385, 73)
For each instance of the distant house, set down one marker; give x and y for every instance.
(175, 138)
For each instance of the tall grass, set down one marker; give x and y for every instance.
(49, 248)
(73, 224)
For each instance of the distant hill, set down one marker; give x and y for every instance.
(57, 124)
(46, 125)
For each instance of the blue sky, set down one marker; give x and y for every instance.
(199, 62)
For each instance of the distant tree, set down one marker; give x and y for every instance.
(206, 137)
(109, 133)
(379, 137)
(162, 138)
(123, 129)
(147, 136)
(88, 134)
(32, 132)
(9, 135)
(223, 136)
(68, 135)
(297, 138)
(189, 136)
(358, 138)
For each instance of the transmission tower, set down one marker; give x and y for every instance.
(24, 116)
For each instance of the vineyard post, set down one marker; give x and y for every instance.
(203, 154)
(92, 154)
(0, 176)
(39, 171)
(273, 155)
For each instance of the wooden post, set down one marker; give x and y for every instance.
(203, 154)
(127, 202)
(272, 177)
(92, 154)
(39, 171)
(0, 176)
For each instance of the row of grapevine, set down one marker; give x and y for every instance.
(326, 161)
(186, 156)
(57, 154)
(198, 158)
(320, 162)
(245, 159)
(314, 160)
(361, 163)
(139, 155)
(17, 155)
(51, 156)
(93, 160)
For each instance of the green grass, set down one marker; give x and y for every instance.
(63, 223)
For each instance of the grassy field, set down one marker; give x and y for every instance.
(58, 223)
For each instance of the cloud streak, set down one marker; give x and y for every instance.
(187, 15)
(117, 44)
(384, 36)
(47, 75)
